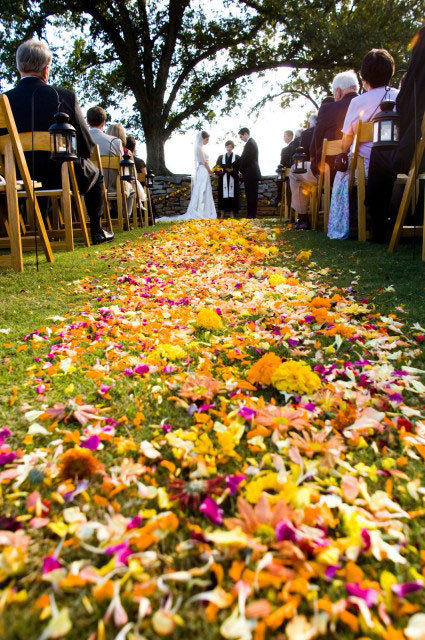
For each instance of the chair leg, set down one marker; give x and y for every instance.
(106, 210)
(120, 201)
(326, 200)
(361, 209)
(66, 208)
(78, 203)
(402, 212)
(13, 211)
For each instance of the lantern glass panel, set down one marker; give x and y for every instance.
(396, 132)
(376, 131)
(386, 130)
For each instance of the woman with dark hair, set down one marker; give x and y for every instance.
(201, 205)
(376, 71)
(228, 182)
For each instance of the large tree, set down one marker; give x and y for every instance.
(179, 59)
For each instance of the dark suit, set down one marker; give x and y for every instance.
(288, 152)
(329, 124)
(306, 139)
(90, 180)
(248, 166)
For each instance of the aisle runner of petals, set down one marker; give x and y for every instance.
(218, 447)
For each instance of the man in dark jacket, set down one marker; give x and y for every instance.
(33, 60)
(328, 125)
(249, 171)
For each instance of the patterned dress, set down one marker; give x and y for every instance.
(339, 214)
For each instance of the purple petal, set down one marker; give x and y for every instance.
(402, 590)
(210, 509)
(366, 540)
(330, 572)
(233, 482)
(7, 458)
(285, 531)
(135, 522)
(247, 413)
(370, 596)
(141, 369)
(91, 443)
(121, 551)
(104, 388)
(50, 564)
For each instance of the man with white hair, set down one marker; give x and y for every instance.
(33, 59)
(330, 119)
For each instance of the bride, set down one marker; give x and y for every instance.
(201, 205)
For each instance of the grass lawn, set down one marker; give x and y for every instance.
(207, 432)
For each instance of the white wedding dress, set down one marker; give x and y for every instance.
(201, 205)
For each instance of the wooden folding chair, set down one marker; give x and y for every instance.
(113, 162)
(408, 199)
(364, 133)
(323, 193)
(11, 149)
(63, 227)
(96, 159)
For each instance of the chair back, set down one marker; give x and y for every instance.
(7, 121)
(41, 141)
(364, 133)
(111, 162)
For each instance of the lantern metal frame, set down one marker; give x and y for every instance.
(127, 166)
(300, 158)
(63, 139)
(149, 178)
(386, 126)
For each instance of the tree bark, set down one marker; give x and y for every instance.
(155, 150)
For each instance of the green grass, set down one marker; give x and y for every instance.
(370, 269)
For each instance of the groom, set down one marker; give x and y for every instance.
(249, 171)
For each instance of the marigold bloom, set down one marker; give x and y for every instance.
(169, 352)
(79, 463)
(296, 377)
(209, 319)
(276, 278)
(261, 372)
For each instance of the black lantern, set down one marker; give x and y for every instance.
(149, 178)
(300, 158)
(386, 126)
(127, 166)
(63, 139)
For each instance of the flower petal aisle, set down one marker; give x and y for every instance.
(220, 444)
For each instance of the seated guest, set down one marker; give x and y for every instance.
(330, 118)
(295, 179)
(376, 72)
(291, 148)
(33, 60)
(116, 130)
(131, 146)
(140, 166)
(382, 197)
(108, 145)
(329, 122)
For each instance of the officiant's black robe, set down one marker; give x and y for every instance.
(228, 203)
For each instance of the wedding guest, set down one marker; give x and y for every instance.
(33, 60)
(116, 130)
(249, 171)
(382, 195)
(228, 182)
(285, 156)
(299, 199)
(140, 164)
(109, 145)
(288, 136)
(376, 71)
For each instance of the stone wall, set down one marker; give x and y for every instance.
(171, 195)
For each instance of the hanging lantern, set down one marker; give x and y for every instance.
(63, 139)
(386, 126)
(127, 166)
(300, 158)
(149, 178)
(279, 171)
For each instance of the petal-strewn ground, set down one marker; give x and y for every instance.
(215, 447)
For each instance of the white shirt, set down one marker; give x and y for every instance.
(362, 108)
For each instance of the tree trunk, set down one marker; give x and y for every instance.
(155, 151)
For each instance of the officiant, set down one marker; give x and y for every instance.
(228, 182)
